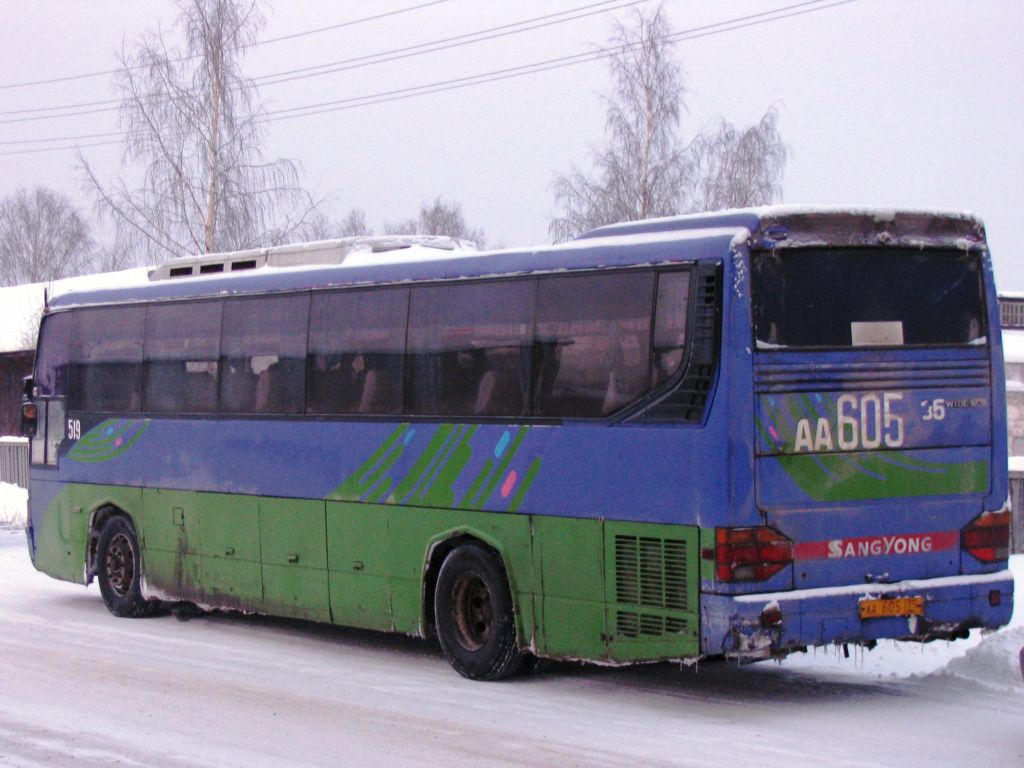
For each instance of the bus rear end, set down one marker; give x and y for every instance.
(878, 441)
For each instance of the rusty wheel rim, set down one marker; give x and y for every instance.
(474, 615)
(120, 564)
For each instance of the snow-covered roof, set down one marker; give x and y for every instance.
(790, 225)
(21, 305)
(419, 263)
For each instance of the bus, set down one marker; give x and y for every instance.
(728, 435)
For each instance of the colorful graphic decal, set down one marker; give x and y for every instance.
(443, 466)
(854, 477)
(107, 440)
(865, 445)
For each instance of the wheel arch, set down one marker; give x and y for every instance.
(438, 548)
(99, 514)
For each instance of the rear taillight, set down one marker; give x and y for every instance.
(29, 419)
(750, 554)
(987, 537)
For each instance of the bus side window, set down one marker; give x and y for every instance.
(356, 353)
(264, 335)
(106, 359)
(468, 348)
(670, 325)
(51, 373)
(593, 338)
(181, 351)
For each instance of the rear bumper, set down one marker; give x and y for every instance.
(758, 626)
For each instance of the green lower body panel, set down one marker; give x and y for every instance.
(583, 589)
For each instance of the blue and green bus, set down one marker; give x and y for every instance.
(736, 434)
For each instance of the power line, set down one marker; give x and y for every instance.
(353, 22)
(456, 41)
(356, 62)
(309, 110)
(550, 64)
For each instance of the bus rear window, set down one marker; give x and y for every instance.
(854, 297)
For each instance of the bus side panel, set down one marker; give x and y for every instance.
(230, 539)
(570, 566)
(659, 474)
(168, 530)
(58, 533)
(357, 565)
(293, 550)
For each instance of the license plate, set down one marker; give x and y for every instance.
(874, 608)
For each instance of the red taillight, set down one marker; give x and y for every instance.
(750, 554)
(987, 537)
(29, 415)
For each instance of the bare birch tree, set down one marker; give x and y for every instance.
(641, 171)
(319, 225)
(646, 170)
(192, 121)
(42, 238)
(735, 168)
(438, 218)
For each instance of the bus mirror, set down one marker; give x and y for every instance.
(28, 385)
(29, 419)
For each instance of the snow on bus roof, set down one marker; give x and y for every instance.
(752, 217)
(412, 264)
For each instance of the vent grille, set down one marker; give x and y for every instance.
(637, 625)
(651, 572)
(972, 371)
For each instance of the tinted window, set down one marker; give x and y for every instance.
(181, 352)
(593, 343)
(51, 374)
(106, 359)
(263, 352)
(356, 348)
(670, 325)
(816, 297)
(469, 348)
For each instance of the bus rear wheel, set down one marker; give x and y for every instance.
(119, 570)
(474, 614)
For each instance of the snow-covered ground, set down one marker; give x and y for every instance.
(80, 687)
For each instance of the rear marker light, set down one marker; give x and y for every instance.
(750, 554)
(987, 537)
(995, 598)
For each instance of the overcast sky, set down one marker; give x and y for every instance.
(916, 103)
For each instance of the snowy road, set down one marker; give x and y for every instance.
(79, 687)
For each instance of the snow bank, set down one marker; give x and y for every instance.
(13, 506)
(995, 661)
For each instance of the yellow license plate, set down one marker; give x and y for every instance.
(874, 608)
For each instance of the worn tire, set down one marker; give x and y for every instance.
(474, 614)
(119, 570)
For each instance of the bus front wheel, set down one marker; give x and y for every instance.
(474, 615)
(118, 570)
